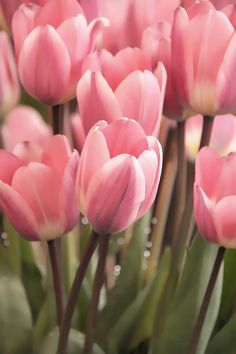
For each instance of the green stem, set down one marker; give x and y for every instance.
(58, 119)
(205, 303)
(56, 280)
(98, 282)
(74, 292)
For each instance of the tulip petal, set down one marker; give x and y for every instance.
(115, 194)
(28, 152)
(39, 187)
(203, 212)
(18, 212)
(225, 221)
(56, 154)
(96, 100)
(94, 155)
(9, 164)
(48, 75)
(125, 136)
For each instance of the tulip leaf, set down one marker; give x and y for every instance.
(136, 324)
(224, 341)
(186, 302)
(15, 316)
(75, 345)
(128, 283)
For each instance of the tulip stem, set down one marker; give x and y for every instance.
(205, 303)
(74, 292)
(56, 280)
(206, 130)
(98, 282)
(58, 119)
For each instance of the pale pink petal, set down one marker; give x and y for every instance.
(56, 154)
(18, 212)
(54, 12)
(226, 179)
(95, 28)
(9, 163)
(47, 76)
(24, 123)
(125, 136)
(225, 221)
(139, 98)
(78, 131)
(28, 152)
(68, 205)
(23, 23)
(115, 194)
(91, 8)
(203, 212)
(94, 155)
(96, 100)
(39, 187)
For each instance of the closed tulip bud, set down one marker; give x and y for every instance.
(215, 197)
(9, 85)
(24, 123)
(54, 39)
(37, 188)
(118, 175)
(203, 48)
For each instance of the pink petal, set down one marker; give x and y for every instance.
(95, 28)
(138, 96)
(78, 131)
(68, 205)
(39, 187)
(9, 164)
(47, 76)
(225, 221)
(28, 152)
(115, 194)
(91, 8)
(54, 12)
(203, 212)
(125, 136)
(24, 123)
(23, 23)
(56, 154)
(18, 212)
(94, 155)
(96, 100)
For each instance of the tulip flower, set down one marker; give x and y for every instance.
(37, 188)
(223, 135)
(54, 39)
(116, 67)
(139, 96)
(24, 123)
(203, 48)
(215, 196)
(118, 175)
(9, 85)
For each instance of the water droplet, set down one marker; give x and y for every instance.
(147, 230)
(117, 270)
(149, 244)
(120, 241)
(153, 221)
(6, 243)
(4, 235)
(84, 220)
(146, 253)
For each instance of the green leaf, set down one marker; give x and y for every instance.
(187, 300)
(136, 324)
(224, 341)
(15, 317)
(128, 283)
(75, 345)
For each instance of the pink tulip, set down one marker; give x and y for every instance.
(223, 136)
(139, 96)
(118, 175)
(219, 4)
(54, 39)
(116, 67)
(90, 8)
(203, 48)
(9, 85)
(24, 123)
(215, 197)
(129, 18)
(156, 44)
(37, 188)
